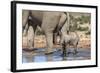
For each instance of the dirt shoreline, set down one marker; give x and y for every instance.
(40, 42)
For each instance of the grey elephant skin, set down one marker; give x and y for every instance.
(50, 22)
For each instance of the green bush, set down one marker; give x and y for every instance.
(82, 28)
(88, 33)
(84, 19)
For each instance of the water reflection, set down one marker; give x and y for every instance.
(39, 56)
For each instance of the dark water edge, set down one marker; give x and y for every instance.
(37, 55)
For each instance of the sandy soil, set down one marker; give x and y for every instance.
(40, 42)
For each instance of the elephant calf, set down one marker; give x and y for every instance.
(71, 38)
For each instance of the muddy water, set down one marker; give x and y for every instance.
(37, 55)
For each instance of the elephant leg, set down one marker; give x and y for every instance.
(75, 49)
(34, 33)
(30, 38)
(64, 50)
(25, 31)
(59, 34)
(59, 26)
(55, 38)
(32, 28)
(49, 39)
(62, 21)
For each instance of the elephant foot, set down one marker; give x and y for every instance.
(75, 52)
(49, 53)
(29, 50)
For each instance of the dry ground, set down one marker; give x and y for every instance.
(40, 42)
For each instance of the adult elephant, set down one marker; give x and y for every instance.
(50, 22)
